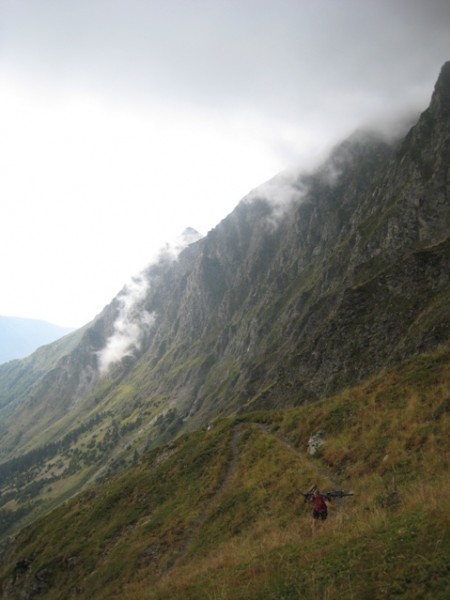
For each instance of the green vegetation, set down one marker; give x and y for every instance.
(217, 514)
(40, 479)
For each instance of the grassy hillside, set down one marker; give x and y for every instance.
(218, 514)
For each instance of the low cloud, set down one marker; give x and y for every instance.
(171, 250)
(280, 193)
(291, 186)
(134, 322)
(130, 326)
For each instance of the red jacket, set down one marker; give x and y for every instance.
(320, 503)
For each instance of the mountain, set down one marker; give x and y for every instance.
(313, 284)
(21, 337)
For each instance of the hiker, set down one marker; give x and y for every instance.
(320, 507)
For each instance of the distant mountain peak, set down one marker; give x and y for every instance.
(19, 337)
(441, 96)
(190, 235)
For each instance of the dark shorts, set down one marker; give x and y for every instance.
(320, 515)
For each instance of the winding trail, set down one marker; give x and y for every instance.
(232, 467)
(196, 525)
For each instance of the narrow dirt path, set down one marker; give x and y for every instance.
(232, 467)
(196, 525)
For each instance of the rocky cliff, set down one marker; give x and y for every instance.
(285, 302)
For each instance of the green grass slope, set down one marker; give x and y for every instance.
(218, 514)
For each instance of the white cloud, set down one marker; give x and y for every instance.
(130, 326)
(281, 192)
(133, 321)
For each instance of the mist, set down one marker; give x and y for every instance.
(130, 326)
(133, 322)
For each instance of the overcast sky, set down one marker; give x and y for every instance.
(122, 122)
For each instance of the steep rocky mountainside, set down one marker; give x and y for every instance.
(314, 282)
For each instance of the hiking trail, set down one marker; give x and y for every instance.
(232, 467)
